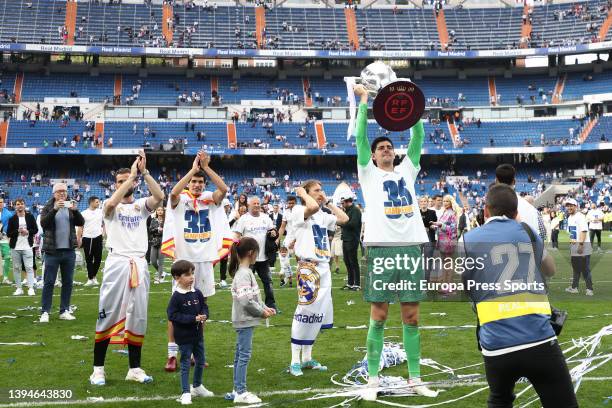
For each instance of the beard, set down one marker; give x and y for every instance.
(129, 192)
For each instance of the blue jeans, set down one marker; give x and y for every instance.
(244, 345)
(197, 349)
(64, 261)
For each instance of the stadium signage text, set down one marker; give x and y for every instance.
(213, 53)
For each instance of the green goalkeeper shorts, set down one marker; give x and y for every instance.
(392, 276)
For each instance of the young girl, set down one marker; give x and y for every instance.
(247, 310)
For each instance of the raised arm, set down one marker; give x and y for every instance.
(222, 188)
(341, 217)
(115, 199)
(310, 203)
(182, 184)
(416, 143)
(157, 195)
(361, 130)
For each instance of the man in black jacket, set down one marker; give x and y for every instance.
(21, 230)
(58, 219)
(429, 218)
(351, 232)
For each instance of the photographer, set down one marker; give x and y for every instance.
(514, 333)
(59, 218)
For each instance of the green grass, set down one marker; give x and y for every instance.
(63, 363)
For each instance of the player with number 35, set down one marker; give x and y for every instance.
(190, 218)
(393, 227)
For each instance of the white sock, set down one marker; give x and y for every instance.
(295, 353)
(172, 350)
(306, 353)
(99, 370)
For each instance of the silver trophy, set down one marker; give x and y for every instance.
(398, 103)
(376, 76)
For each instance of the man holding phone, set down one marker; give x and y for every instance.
(58, 219)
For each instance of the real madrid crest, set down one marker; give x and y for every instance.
(309, 282)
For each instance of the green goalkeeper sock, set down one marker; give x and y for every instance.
(412, 345)
(374, 345)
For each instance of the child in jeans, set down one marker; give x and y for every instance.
(247, 310)
(187, 311)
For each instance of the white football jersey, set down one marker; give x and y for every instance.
(93, 223)
(193, 235)
(577, 224)
(257, 228)
(392, 216)
(126, 228)
(311, 235)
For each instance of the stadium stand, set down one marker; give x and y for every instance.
(413, 29)
(36, 24)
(568, 24)
(317, 28)
(297, 28)
(484, 29)
(37, 87)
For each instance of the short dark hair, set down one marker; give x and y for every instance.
(436, 196)
(292, 198)
(501, 200)
(123, 170)
(200, 173)
(92, 199)
(181, 267)
(378, 140)
(19, 200)
(505, 173)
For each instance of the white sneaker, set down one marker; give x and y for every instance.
(31, 292)
(246, 398)
(18, 292)
(185, 399)
(370, 391)
(571, 290)
(223, 284)
(67, 316)
(88, 283)
(44, 318)
(94, 281)
(156, 282)
(589, 292)
(97, 377)
(6, 281)
(420, 389)
(138, 375)
(58, 284)
(200, 391)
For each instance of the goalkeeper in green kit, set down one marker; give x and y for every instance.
(394, 232)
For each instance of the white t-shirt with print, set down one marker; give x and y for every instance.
(392, 216)
(126, 228)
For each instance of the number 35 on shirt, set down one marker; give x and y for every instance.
(197, 226)
(399, 200)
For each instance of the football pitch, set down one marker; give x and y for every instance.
(56, 362)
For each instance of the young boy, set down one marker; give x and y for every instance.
(286, 272)
(188, 311)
